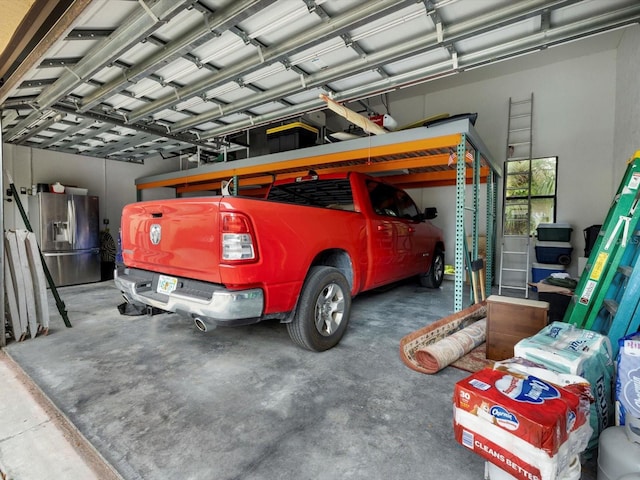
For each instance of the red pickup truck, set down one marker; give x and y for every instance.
(299, 255)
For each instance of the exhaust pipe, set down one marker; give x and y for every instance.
(203, 324)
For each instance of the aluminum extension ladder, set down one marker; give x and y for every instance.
(607, 297)
(515, 248)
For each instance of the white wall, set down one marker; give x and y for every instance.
(574, 110)
(627, 120)
(110, 180)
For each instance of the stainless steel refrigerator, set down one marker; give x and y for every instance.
(67, 228)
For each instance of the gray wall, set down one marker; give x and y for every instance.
(110, 180)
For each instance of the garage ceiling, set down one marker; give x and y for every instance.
(124, 79)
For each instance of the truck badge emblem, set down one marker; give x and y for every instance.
(155, 234)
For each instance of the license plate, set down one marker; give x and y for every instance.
(166, 284)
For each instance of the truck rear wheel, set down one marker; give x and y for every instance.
(323, 310)
(433, 278)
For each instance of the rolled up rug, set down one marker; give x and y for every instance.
(435, 357)
(436, 331)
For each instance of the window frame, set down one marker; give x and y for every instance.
(530, 198)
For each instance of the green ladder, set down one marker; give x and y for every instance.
(607, 296)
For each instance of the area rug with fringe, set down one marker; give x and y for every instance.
(475, 360)
(444, 341)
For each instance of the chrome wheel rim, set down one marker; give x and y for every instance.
(438, 268)
(329, 311)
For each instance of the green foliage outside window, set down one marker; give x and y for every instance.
(538, 177)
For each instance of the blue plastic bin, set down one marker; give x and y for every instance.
(540, 271)
(554, 252)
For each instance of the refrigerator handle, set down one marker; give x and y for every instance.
(71, 212)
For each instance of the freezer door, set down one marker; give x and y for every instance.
(85, 221)
(72, 268)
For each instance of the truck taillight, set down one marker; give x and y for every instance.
(237, 238)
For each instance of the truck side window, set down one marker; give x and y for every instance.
(406, 207)
(382, 198)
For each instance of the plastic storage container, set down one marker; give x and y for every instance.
(554, 252)
(540, 271)
(554, 232)
(291, 137)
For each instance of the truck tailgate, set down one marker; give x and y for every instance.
(178, 237)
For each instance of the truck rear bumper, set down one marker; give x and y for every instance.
(193, 298)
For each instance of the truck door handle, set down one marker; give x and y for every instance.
(384, 228)
(412, 230)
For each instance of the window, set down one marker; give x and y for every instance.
(318, 193)
(381, 196)
(389, 201)
(406, 207)
(530, 194)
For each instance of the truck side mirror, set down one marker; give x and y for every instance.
(430, 213)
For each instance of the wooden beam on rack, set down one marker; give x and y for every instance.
(353, 117)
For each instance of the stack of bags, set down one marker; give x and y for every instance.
(532, 415)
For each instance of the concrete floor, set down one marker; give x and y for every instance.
(158, 399)
(36, 440)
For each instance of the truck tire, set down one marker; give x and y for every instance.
(433, 278)
(323, 310)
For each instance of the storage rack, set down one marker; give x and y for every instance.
(416, 158)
